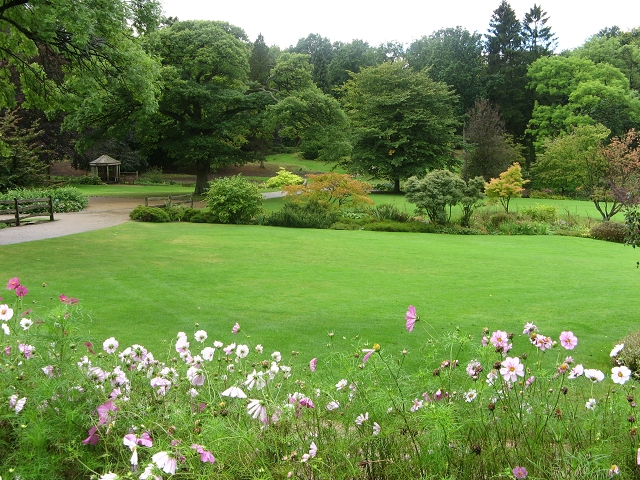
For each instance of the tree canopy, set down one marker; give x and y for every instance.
(403, 122)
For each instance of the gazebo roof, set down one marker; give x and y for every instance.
(104, 160)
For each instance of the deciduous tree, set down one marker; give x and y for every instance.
(403, 122)
(509, 185)
(331, 188)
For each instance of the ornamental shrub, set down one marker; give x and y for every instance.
(540, 213)
(435, 194)
(234, 200)
(149, 214)
(310, 214)
(389, 211)
(282, 178)
(629, 355)
(65, 199)
(608, 231)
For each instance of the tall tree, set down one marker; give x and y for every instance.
(507, 68)
(403, 122)
(537, 38)
(259, 67)
(453, 56)
(321, 52)
(488, 148)
(205, 68)
(351, 57)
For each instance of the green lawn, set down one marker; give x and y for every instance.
(289, 288)
(296, 164)
(133, 191)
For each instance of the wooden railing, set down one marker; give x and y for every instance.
(21, 209)
(163, 202)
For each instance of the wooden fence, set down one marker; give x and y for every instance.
(32, 207)
(169, 201)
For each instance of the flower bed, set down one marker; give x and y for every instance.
(219, 404)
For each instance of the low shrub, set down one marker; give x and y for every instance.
(283, 178)
(511, 227)
(203, 216)
(608, 231)
(392, 226)
(389, 211)
(149, 214)
(310, 214)
(628, 352)
(234, 200)
(540, 213)
(152, 176)
(65, 199)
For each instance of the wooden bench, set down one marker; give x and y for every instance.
(32, 207)
(171, 200)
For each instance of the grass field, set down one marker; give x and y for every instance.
(289, 288)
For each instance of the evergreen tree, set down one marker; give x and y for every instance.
(537, 37)
(259, 61)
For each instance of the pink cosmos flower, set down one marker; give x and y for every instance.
(26, 350)
(500, 339)
(576, 371)
(257, 410)
(313, 450)
(312, 364)
(205, 455)
(13, 283)
(21, 291)
(93, 438)
(511, 369)
(528, 328)
(16, 404)
(104, 411)
(568, 340)
(161, 385)
(110, 345)
(165, 461)
(236, 328)
(520, 472)
(417, 405)
(411, 318)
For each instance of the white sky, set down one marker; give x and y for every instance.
(283, 22)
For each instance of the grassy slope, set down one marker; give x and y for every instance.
(288, 288)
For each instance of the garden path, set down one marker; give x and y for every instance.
(102, 212)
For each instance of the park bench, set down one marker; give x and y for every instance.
(22, 209)
(171, 200)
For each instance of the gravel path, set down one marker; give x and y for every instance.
(102, 212)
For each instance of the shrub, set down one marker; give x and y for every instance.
(511, 227)
(283, 178)
(391, 226)
(435, 194)
(65, 199)
(540, 213)
(608, 231)
(389, 211)
(203, 216)
(153, 175)
(149, 214)
(234, 200)
(311, 214)
(337, 189)
(629, 355)
(509, 185)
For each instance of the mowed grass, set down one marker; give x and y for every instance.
(133, 191)
(290, 288)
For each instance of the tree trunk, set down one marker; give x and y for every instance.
(202, 177)
(396, 185)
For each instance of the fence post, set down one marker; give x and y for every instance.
(146, 201)
(51, 207)
(191, 201)
(15, 201)
(169, 204)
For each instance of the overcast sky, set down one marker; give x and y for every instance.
(283, 22)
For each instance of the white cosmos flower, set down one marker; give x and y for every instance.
(360, 419)
(470, 395)
(25, 323)
(594, 375)
(276, 356)
(234, 392)
(620, 374)
(207, 353)
(5, 329)
(242, 351)
(257, 410)
(616, 350)
(200, 336)
(259, 348)
(376, 428)
(591, 404)
(341, 384)
(333, 405)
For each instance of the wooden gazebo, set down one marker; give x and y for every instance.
(106, 168)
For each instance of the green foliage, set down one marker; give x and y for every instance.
(472, 196)
(65, 199)
(234, 200)
(540, 213)
(310, 214)
(609, 231)
(153, 176)
(630, 353)
(282, 178)
(520, 227)
(20, 151)
(435, 194)
(82, 180)
(507, 186)
(149, 214)
(403, 122)
(399, 226)
(488, 149)
(632, 227)
(389, 211)
(337, 189)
